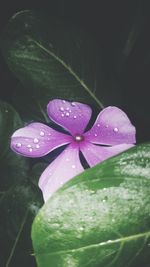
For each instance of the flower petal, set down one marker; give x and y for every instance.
(95, 154)
(73, 117)
(112, 127)
(37, 140)
(62, 169)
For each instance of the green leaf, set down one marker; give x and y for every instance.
(20, 199)
(54, 60)
(99, 218)
(13, 167)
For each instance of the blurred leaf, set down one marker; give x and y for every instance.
(99, 218)
(20, 199)
(18, 207)
(13, 167)
(54, 60)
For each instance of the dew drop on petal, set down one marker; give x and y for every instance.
(36, 140)
(98, 125)
(42, 133)
(116, 129)
(37, 146)
(95, 134)
(29, 146)
(18, 145)
(73, 166)
(67, 114)
(67, 108)
(30, 149)
(62, 114)
(74, 116)
(61, 109)
(64, 101)
(73, 104)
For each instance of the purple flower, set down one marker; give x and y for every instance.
(111, 134)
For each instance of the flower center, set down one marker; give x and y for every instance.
(79, 137)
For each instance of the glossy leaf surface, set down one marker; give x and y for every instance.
(99, 218)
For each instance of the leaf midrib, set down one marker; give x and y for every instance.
(70, 70)
(119, 240)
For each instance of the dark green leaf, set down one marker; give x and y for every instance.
(19, 197)
(99, 218)
(13, 168)
(54, 60)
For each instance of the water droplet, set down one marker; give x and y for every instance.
(74, 116)
(98, 125)
(109, 241)
(61, 109)
(6, 110)
(62, 114)
(37, 146)
(95, 134)
(42, 133)
(61, 183)
(73, 166)
(30, 149)
(64, 101)
(81, 228)
(113, 220)
(73, 104)
(49, 134)
(36, 140)
(104, 200)
(67, 108)
(28, 146)
(67, 114)
(18, 145)
(115, 129)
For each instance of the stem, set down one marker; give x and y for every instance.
(17, 238)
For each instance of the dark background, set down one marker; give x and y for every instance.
(121, 29)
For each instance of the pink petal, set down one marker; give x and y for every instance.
(37, 140)
(62, 169)
(112, 127)
(95, 154)
(73, 117)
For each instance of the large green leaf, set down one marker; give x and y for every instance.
(100, 218)
(54, 60)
